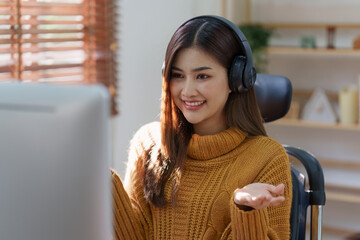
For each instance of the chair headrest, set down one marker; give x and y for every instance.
(273, 94)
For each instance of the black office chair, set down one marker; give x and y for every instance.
(274, 94)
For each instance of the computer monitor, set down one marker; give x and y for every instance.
(54, 162)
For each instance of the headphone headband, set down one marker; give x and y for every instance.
(244, 43)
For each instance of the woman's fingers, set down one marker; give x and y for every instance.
(277, 190)
(276, 201)
(259, 195)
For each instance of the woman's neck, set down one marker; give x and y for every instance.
(204, 130)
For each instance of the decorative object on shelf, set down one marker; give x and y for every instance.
(349, 105)
(294, 111)
(318, 108)
(308, 42)
(331, 37)
(356, 43)
(258, 38)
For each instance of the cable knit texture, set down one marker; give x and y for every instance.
(215, 167)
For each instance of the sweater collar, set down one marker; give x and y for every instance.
(212, 146)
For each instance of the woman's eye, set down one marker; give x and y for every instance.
(176, 75)
(202, 76)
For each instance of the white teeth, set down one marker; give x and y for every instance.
(194, 103)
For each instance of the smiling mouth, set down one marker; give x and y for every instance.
(194, 104)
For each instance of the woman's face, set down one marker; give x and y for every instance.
(199, 88)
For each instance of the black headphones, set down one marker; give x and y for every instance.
(242, 73)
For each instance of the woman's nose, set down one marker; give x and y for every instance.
(189, 88)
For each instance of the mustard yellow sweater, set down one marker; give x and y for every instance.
(215, 167)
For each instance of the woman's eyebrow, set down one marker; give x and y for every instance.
(193, 70)
(176, 68)
(201, 69)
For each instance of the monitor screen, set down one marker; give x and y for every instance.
(54, 162)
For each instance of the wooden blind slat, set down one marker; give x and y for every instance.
(6, 12)
(43, 31)
(6, 41)
(40, 31)
(52, 11)
(7, 51)
(51, 40)
(49, 22)
(60, 49)
(7, 22)
(52, 4)
(53, 66)
(39, 50)
(36, 76)
(7, 31)
(5, 69)
(6, 3)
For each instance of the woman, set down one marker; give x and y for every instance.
(207, 170)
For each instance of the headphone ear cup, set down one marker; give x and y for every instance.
(236, 75)
(249, 77)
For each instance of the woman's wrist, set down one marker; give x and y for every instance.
(244, 207)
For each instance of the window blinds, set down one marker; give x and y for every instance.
(59, 41)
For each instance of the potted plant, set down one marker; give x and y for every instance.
(258, 37)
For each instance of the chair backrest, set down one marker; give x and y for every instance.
(273, 94)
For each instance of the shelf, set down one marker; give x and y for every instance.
(308, 124)
(341, 197)
(309, 25)
(349, 190)
(339, 233)
(313, 51)
(333, 163)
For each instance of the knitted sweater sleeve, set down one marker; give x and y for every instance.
(132, 213)
(270, 222)
(126, 222)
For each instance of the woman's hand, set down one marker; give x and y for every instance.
(259, 195)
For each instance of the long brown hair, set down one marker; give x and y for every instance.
(218, 40)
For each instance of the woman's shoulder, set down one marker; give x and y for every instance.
(264, 145)
(146, 137)
(145, 141)
(149, 127)
(262, 153)
(148, 131)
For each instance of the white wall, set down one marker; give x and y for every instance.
(305, 11)
(146, 28)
